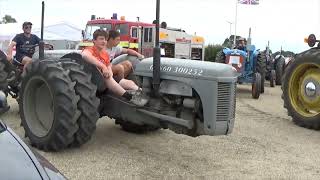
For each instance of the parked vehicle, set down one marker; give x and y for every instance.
(18, 161)
(301, 86)
(62, 96)
(140, 36)
(249, 62)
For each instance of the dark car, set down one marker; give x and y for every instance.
(18, 161)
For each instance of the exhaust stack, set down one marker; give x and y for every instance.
(41, 44)
(156, 53)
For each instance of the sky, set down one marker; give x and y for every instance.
(285, 23)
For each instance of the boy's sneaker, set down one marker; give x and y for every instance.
(138, 98)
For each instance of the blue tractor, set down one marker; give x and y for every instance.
(249, 62)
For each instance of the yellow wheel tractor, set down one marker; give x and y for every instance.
(301, 86)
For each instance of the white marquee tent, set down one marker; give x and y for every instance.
(61, 35)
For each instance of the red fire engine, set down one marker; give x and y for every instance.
(140, 36)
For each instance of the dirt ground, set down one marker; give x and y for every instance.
(265, 144)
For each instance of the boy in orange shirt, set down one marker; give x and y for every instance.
(98, 56)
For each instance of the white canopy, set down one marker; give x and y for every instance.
(59, 31)
(8, 31)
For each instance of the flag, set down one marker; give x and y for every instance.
(249, 2)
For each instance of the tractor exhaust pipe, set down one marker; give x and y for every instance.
(41, 44)
(156, 53)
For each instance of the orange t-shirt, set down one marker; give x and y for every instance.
(102, 56)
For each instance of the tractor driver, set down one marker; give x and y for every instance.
(98, 56)
(124, 68)
(241, 44)
(25, 45)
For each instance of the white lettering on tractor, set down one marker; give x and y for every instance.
(181, 70)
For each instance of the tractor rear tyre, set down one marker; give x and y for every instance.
(261, 68)
(301, 89)
(256, 85)
(48, 106)
(220, 57)
(280, 64)
(3, 72)
(88, 103)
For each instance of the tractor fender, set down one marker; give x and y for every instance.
(228, 51)
(96, 76)
(125, 57)
(255, 53)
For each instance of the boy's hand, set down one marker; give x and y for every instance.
(110, 70)
(106, 72)
(140, 56)
(9, 58)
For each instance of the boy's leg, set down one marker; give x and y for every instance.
(127, 68)
(113, 86)
(128, 84)
(25, 61)
(118, 71)
(135, 98)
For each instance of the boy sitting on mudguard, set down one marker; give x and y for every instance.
(98, 56)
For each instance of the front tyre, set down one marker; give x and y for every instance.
(136, 128)
(272, 78)
(256, 86)
(261, 68)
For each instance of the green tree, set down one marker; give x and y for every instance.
(8, 19)
(227, 43)
(211, 51)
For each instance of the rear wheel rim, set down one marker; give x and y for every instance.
(38, 106)
(304, 89)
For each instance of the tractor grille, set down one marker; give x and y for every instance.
(226, 101)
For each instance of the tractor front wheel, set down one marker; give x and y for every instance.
(256, 86)
(135, 128)
(261, 68)
(272, 78)
(280, 64)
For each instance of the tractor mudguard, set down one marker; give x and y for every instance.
(255, 53)
(96, 76)
(125, 57)
(228, 51)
